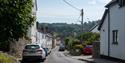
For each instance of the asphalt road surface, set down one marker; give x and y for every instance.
(58, 57)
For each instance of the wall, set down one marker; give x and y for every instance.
(18, 47)
(117, 19)
(96, 49)
(32, 31)
(104, 37)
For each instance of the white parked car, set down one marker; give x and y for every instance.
(33, 52)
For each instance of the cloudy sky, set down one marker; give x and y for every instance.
(57, 11)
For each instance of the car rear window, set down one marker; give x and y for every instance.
(32, 47)
(61, 45)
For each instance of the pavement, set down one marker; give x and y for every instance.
(89, 58)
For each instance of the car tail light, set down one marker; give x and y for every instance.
(39, 51)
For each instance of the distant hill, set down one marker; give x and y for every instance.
(64, 29)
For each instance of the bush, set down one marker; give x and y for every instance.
(75, 42)
(77, 50)
(78, 47)
(89, 37)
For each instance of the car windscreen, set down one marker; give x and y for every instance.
(32, 47)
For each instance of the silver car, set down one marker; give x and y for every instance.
(33, 52)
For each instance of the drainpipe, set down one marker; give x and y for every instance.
(108, 32)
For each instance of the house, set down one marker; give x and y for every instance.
(45, 39)
(112, 30)
(32, 29)
(94, 29)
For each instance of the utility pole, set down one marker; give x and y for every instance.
(82, 14)
(53, 40)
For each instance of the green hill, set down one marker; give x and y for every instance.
(64, 29)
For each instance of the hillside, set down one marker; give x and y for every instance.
(64, 29)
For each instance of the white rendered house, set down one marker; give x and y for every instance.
(112, 30)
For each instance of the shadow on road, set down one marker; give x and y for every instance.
(29, 61)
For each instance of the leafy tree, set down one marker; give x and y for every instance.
(65, 29)
(89, 37)
(15, 18)
(86, 35)
(94, 37)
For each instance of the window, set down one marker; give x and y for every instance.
(42, 36)
(115, 36)
(32, 47)
(121, 3)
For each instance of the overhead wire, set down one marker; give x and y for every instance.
(74, 8)
(71, 5)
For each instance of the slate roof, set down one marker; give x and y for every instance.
(106, 12)
(103, 19)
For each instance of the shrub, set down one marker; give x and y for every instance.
(75, 42)
(77, 50)
(78, 47)
(89, 37)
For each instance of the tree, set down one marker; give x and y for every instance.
(84, 36)
(89, 37)
(94, 37)
(15, 18)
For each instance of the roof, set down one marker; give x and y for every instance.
(103, 19)
(106, 12)
(94, 27)
(111, 3)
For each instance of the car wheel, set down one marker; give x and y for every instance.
(42, 60)
(24, 60)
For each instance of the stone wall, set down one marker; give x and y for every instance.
(16, 47)
(96, 49)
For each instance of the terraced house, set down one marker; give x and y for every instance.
(112, 30)
(33, 29)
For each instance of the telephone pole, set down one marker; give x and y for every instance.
(53, 40)
(82, 14)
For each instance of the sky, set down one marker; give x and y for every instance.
(57, 11)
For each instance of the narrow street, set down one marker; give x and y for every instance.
(59, 57)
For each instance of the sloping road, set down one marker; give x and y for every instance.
(58, 57)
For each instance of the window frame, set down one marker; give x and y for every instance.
(114, 36)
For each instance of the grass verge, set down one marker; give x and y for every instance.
(5, 58)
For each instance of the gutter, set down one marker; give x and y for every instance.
(108, 32)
